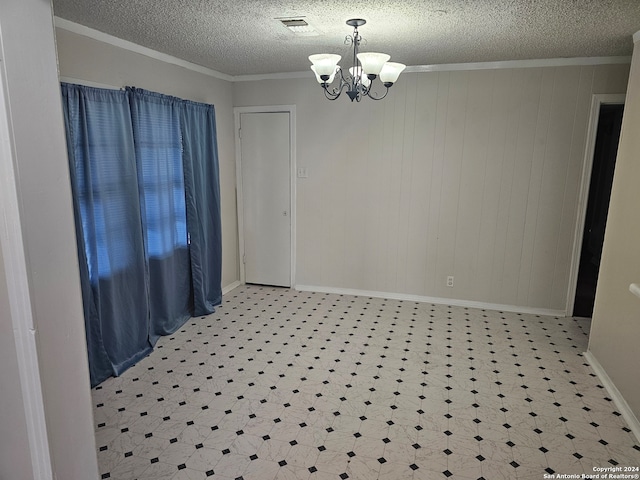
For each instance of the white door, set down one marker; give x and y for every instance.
(266, 197)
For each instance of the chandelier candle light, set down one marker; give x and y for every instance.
(366, 68)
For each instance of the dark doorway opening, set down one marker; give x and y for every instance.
(604, 159)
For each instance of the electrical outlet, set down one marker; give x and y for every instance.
(450, 281)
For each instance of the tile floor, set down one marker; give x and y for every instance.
(280, 384)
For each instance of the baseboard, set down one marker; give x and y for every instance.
(435, 300)
(230, 287)
(615, 395)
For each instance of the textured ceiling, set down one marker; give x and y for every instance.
(243, 37)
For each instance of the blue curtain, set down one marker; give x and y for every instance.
(156, 128)
(202, 186)
(108, 228)
(144, 175)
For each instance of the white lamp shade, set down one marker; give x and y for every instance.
(357, 73)
(331, 77)
(372, 62)
(391, 71)
(325, 63)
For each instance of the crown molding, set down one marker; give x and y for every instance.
(273, 76)
(450, 67)
(134, 47)
(534, 63)
(446, 67)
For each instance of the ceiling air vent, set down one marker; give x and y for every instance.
(299, 26)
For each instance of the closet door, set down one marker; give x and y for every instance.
(266, 197)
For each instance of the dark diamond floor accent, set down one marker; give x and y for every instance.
(270, 368)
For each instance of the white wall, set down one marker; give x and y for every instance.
(90, 60)
(15, 458)
(615, 330)
(467, 173)
(51, 288)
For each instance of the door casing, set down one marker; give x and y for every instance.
(596, 101)
(291, 110)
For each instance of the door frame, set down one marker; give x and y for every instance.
(597, 100)
(25, 334)
(291, 110)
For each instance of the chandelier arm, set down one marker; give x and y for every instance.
(370, 94)
(343, 80)
(331, 95)
(336, 92)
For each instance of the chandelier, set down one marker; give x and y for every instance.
(366, 67)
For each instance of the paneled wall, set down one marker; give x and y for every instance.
(473, 174)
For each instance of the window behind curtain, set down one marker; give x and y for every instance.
(108, 221)
(130, 173)
(106, 182)
(161, 178)
(158, 145)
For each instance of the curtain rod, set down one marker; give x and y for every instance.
(88, 83)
